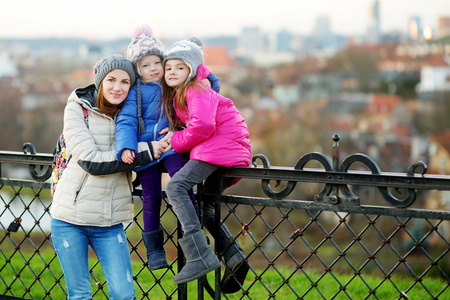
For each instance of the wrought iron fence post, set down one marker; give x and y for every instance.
(201, 283)
(335, 196)
(218, 241)
(336, 155)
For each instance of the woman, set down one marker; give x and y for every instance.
(89, 210)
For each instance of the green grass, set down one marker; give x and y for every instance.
(270, 282)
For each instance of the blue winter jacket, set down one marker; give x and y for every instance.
(153, 115)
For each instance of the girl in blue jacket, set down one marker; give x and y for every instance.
(142, 118)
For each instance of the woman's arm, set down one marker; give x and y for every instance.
(84, 148)
(146, 154)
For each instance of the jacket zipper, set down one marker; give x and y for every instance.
(155, 128)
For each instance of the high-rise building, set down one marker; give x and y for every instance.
(283, 41)
(443, 25)
(251, 41)
(374, 34)
(415, 28)
(322, 32)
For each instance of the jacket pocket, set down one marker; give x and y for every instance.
(77, 193)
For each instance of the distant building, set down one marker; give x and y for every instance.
(251, 41)
(90, 50)
(218, 59)
(374, 34)
(443, 28)
(377, 123)
(283, 41)
(415, 28)
(267, 103)
(230, 42)
(435, 74)
(7, 66)
(444, 23)
(395, 62)
(322, 38)
(322, 32)
(286, 94)
(270, 59)
(317, 85)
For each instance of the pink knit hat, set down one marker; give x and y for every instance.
(142, 44)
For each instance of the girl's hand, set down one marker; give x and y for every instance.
(168, 136)
(168, 131)
(165, 130)
(127, 156)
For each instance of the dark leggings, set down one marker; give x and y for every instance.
(152, 188)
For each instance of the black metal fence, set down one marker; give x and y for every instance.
(360, 234)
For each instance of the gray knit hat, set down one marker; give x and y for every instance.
(112, 62)
(142, 44)
(188, 50)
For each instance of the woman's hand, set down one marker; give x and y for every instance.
(128, 156)
(158, 148)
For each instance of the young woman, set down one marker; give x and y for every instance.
(89, 210)
(215, 134)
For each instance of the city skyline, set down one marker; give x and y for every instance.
(113, 19)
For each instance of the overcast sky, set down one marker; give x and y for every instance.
(107, 19)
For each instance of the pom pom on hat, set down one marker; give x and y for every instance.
(142, 44)
(112, 62)
(142, 29)
(195, 40)
(188, 50)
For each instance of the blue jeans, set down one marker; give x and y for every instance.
(71, 243)
(193, 172)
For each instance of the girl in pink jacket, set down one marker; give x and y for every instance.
(214, 131)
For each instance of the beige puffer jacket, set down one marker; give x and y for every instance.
(81, 198)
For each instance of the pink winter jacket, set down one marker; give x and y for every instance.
(215, 131)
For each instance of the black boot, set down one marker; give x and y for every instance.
(154, 242)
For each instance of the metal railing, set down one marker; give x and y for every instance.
(365, 234)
